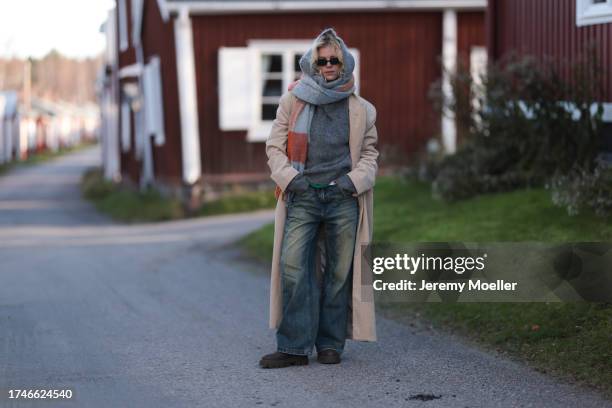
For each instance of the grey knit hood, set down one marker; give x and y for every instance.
(313, 87)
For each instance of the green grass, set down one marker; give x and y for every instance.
(44, 156)
(570, 340)
(239, 202)
(126, 205)
(404, 211)
(259, 244)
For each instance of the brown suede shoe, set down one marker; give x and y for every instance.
(328, 356)
(279, 359)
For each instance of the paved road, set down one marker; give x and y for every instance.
(164, 315)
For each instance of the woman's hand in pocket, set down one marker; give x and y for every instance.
(298, 184)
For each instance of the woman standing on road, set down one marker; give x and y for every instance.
(322, 156)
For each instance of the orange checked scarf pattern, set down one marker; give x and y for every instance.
(297, 137)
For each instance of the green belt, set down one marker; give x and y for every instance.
(319, 185)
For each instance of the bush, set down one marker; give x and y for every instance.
(463, 175)
(584, 189)
(523, 130)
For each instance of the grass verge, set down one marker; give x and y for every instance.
(127, 205)
(572, 340)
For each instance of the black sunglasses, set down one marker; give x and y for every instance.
(321, 62)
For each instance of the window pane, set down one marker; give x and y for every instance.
(272, 87)
(296, 63)
(268, 111)
(272, 63)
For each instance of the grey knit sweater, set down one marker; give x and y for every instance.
(329, 155)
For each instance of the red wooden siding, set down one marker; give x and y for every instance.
(546, 27)
(158, 39)
(128, 56)
(470, 33)
(398, 51)
(129, 165)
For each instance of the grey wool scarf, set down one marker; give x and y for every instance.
(312, 86)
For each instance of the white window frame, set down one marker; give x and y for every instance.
(123, 26)
(260, 129)
(589, 13)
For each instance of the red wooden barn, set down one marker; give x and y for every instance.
(198, 82)
(556, 28)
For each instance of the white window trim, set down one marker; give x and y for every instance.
(234, 88)
(260, 129)
(589, 13)
(135, 70)
(123, 26)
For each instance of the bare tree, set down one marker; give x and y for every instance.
(54, 76)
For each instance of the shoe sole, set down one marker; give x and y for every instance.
(328, 360)
(281, 364)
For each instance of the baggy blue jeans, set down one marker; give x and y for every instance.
(313, 315)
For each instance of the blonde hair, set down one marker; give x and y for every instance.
(327, 39)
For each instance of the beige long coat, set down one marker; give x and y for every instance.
(362, 142)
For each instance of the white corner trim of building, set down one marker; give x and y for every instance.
(188, 105)
(449, 60)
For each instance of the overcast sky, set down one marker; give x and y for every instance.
(34, 27)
